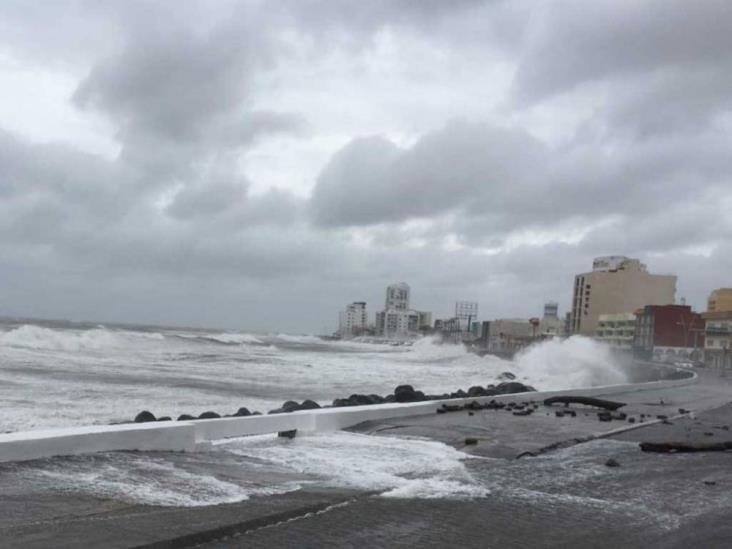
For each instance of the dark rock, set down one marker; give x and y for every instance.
(144, 417)
(405, 393)
(460, 394)
(242, 412)
(419, 396)
(612, 463)
(631, 420)
(185, 417)
(441, 411)
(452, 407)
(512, 387)
(389, 398)
(710, 483)
(287, 434)
(471, 413)
(604, 416)
(256, 413)
(559, 413)
(526, 412)
(474, 405)
(506, 376)
(476, 391)
(708, 434)
(376, 399)
(622, 416)
(309, 405)
(209, 415)
(661, 416)
(683, 411)
(570, 413)
(470, 441)
(290, 406)
(165, 418)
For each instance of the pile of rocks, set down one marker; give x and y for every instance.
(402, 393)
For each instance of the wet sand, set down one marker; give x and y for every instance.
(566, 497)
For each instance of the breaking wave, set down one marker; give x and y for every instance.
(38, 337)
(568, 364)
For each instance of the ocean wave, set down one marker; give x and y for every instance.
(232, 339)
(397, 467)
(30, 336)
(141, 479)
(38, 337)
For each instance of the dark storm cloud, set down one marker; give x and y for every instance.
(174, 230)
(371, 181)
(498, 181)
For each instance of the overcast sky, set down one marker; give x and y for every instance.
(257, 165)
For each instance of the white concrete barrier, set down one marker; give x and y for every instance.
(192, 435)
(172, 436)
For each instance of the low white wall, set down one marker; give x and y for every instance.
(192, 435)
(171, 436)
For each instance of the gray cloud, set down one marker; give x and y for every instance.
(493, 206)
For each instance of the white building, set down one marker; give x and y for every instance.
(617, 330)
(354, 320)
(397, 297)
(397, 320)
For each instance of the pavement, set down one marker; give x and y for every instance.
(566, 496)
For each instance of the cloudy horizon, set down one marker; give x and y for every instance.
(258, 165)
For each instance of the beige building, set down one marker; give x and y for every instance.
(616, 284)
(718, 339)
(720, 300)
(617, 330)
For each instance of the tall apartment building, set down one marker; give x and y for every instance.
(397, 297)
(397, 320)
(354, 320)
(551, 310)
(616, 284)
(720, 300)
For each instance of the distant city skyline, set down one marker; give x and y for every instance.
(254, 167)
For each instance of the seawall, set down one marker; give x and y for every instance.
(186, 436)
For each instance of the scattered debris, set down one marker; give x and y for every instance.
(604, 416)
(684, 447)
(588, 401)
(287, 434)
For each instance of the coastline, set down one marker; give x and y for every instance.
(536, 489)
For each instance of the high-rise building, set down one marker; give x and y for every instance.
(397, 297)
(720, 300)
(397, 320)
(551, 310)
(354, 320)
(616, 284)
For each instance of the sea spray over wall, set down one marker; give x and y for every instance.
(570, 363)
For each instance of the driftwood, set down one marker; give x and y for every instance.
(589, 401)
(684, 447)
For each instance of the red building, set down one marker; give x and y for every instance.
(668, 333)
